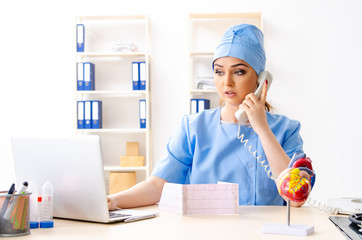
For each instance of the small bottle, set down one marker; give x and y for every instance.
(46, 219)
(34, 205)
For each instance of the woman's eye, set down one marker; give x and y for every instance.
(240, 72)
(218, 72)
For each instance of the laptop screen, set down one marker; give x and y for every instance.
(73, 164)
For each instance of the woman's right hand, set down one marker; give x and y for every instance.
(112, 204)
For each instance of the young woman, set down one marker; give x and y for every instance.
(206, 147)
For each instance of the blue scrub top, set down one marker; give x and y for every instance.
(204, 150)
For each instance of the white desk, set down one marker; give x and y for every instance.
(246, 225)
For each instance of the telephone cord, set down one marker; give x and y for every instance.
(263, 163)
(322, 206)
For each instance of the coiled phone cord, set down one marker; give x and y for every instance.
(322, 206)
(263, 163)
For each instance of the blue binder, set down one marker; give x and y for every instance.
(203, 104)
(80, 38)
(80, 76)
(89, 73)
(135, 76)
(80, 114)
(87, 114)
(193, 106)
(142, 113)
(142, 75)
(198, 105)
(96, 114)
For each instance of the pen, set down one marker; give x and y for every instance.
(13, 203)
(133, 219)
(7, 200)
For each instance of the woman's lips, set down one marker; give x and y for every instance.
(230, 94)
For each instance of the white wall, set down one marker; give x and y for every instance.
(313, 50)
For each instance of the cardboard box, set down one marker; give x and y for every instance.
(120, 181)
(132, 149)
(132, 161)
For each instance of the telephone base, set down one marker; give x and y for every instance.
(284, 229)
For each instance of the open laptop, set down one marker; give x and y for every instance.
(73, 164)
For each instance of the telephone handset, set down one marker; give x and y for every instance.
(265, 75)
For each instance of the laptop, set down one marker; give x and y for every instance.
(74, 166)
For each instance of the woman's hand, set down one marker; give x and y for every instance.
(112, 204)
(255, 109)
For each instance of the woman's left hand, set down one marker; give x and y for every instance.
(255, 109)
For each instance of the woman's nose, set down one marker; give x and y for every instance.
(229, 81)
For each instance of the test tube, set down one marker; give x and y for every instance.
(34, 205)
(46, 219)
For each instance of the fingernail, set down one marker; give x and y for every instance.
(266, 81)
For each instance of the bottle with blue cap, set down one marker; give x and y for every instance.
(34, 205)
(46, 219)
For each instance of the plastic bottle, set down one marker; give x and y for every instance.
(34, 205)
(46, 219)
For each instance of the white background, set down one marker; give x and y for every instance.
(313, 48)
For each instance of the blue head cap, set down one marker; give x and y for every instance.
(245, 42)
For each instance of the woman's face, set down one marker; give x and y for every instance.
(234, 79)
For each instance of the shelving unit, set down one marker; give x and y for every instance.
(205, 32)
(113, 86)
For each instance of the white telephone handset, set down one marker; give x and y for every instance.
(265, 75)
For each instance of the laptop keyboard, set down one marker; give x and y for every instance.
(117, 215)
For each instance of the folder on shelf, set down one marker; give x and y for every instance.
(198, 105)
(80, 38)
(96, 114)
(87, 114)
(88, 68)
(142, 113)
(203, 104)
(142, 76)
(193, 106)
(135, 76)
(80, 76)
(80, 114)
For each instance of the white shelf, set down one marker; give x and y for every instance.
(126, 94)
(111, 54)
(97, 18)
(206, 54)
(124, 169)
(114, 130)
(202, 91)
(113, 86)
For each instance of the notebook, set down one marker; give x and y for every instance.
(74, 166)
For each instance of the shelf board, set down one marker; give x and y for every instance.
(124, 169)
(111, 54)
(202, 91)
(136, 93)
(131, 17)
(114, 130)
(224, 15)
(201, 53)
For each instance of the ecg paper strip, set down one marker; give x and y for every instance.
(200, 199)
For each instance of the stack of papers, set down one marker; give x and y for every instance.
(205, 82)
(200, 199)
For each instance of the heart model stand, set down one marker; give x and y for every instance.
(288, 229)
(291, 184)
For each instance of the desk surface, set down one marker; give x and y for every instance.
(246, 225)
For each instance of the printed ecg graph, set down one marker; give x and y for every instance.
(200, 199)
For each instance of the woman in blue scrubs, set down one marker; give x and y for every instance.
(206, 147)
